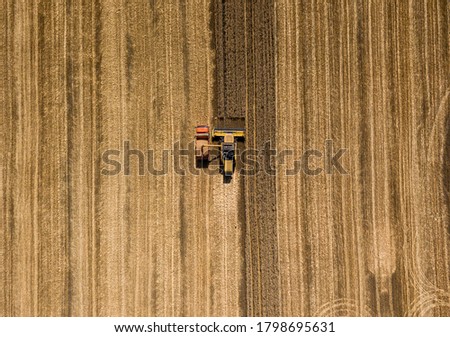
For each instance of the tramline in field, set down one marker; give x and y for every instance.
(223, 138)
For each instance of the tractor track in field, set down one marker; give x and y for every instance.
(245, 84)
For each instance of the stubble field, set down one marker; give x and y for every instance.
(79, 78)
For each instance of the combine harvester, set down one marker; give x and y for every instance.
(223, 138)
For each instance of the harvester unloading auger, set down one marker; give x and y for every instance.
(223, 138)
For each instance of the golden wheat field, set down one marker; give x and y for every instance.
(78, 78)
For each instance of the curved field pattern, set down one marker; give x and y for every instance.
(78, 78)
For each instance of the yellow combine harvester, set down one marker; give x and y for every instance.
(225, 138)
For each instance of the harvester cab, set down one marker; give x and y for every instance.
(223, 138)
